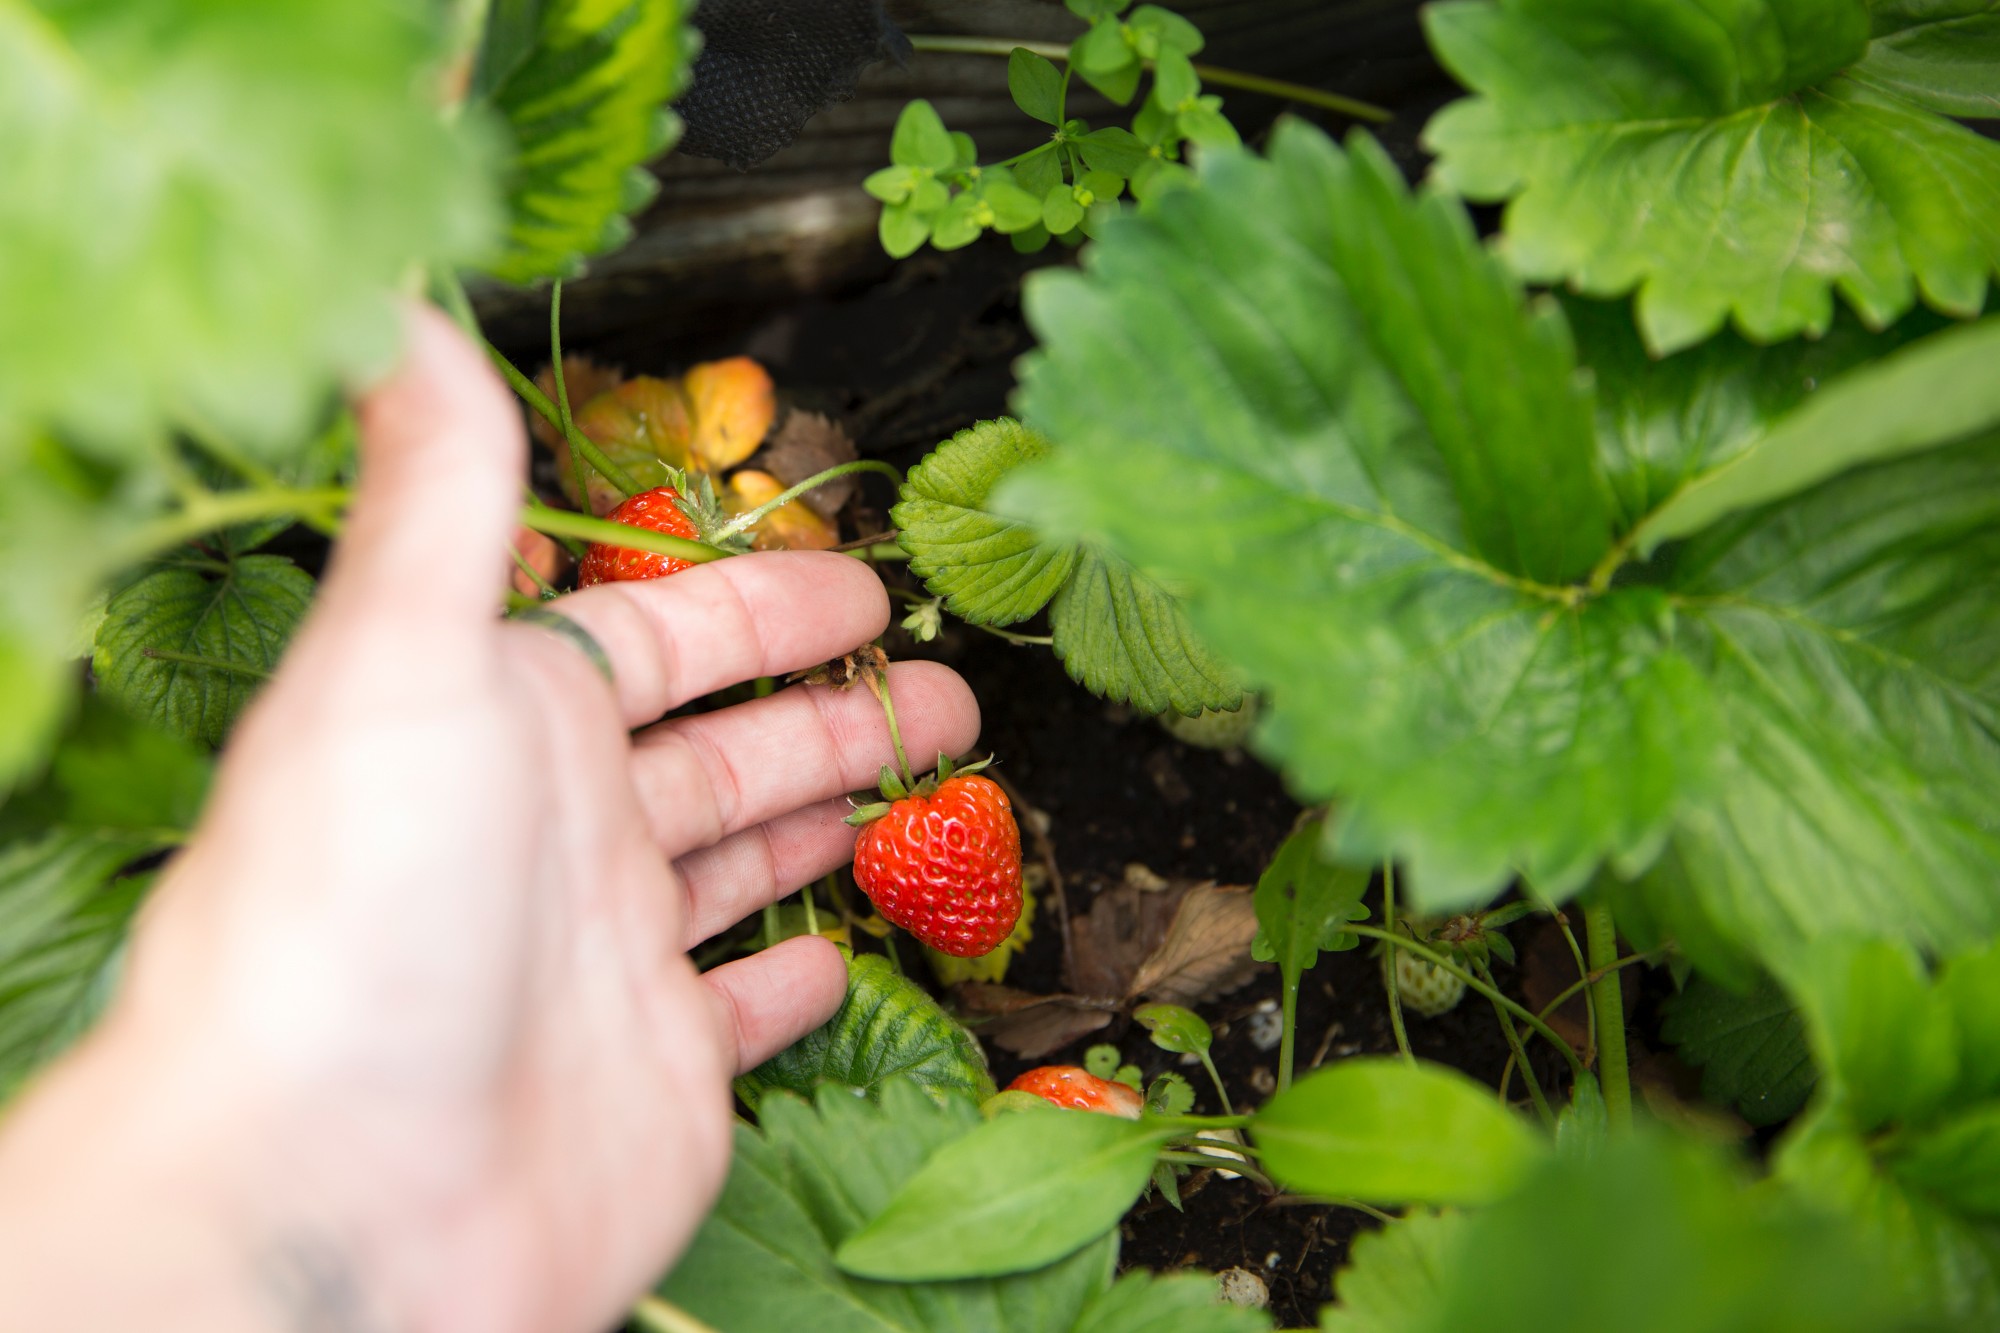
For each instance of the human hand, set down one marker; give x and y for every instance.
(408, 1039)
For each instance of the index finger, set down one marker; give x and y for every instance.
(676, 638)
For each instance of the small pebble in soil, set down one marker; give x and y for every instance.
(1266, 1025)
(1262, 1081)
(1271, 1259)
(1240, 1286)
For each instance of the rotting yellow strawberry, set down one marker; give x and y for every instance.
(790, 527)
(943, 859)
(643, 426)
(732, 404)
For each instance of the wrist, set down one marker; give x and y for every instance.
(132, 1160)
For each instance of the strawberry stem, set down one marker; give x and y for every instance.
(757, 515)
(566, 523)
(878, 685)
(545, 409)
(567, 423)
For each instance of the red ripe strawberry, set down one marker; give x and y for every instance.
(1079, 1090)
(943, 861)
(656, 510)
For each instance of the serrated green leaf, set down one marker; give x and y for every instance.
(990, 570)
(585, 108)
(1181, 1303)
(1949, 1266)
(62, 917)
(1632, 140)
(812, 1177)
(1386, 1131)
(1750, 1048)
(208, 207)
(1036, 85)
(1018, 1192)
(1956, 1161)
(1395, 1277)
(1884, 1038)
(1943, 55)
(244, 616)
(1315, 471)
(1303, 902)
(1936, 390)
(887, 1027)
(921, 140)
(1124, 637)
(1795, 704)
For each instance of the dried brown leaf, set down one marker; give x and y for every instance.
(805, 445)
(1206, 951)
(1030, 1026)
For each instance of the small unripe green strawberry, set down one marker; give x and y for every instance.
(1426, 987)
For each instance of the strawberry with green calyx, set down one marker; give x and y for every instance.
(941, 858)
(1425, 987)
(683, 509)
(1077, 1089)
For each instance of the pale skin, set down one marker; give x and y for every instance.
(408, 1038)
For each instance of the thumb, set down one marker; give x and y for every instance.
(443, 459)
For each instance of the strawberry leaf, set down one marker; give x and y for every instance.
(1751, 1048)
(811, 1177)
(1940, 54)
(1182, 1303)
(1394, 1275)
(582, 86)
(1019, 1192)
(208, 207)
(1630, 139)
(115, 791)
(1794, 695)
(887, 1027)
(1124, 637)
(239, 621)
(63, 911)
(990, 569)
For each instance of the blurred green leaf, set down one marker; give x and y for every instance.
(1163, 32)
(1957, 1161)
(1115, 150)
(1631, 138)
(242, 615)
(1174, 81)
(811, 1177)
(1943, 55)
(1750, 1048)
(1883, 1036)
(990, 570)
(920, 139)
(904, 229)
(1036, 85)
(1658, 1236)
(1395, 1277)
(887, 1027)
(1016, 1193)
(63, 912)
(1060, 210)
(1181, 1303)
(585, 105)
(1386, 1131)
(208, 207)
(1126, 638)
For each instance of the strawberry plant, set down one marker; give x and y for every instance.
(1633, 565)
